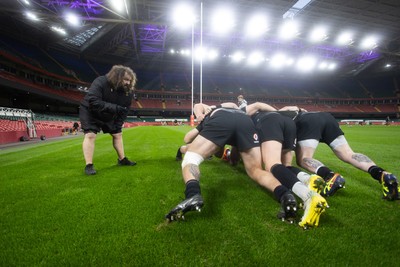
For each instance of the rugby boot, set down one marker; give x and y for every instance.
(288, 210)
(390, 186)
(333, 184)
(194, 203)
(314, 206)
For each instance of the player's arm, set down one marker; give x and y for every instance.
(258, 106)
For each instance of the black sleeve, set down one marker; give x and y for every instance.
(95, 97)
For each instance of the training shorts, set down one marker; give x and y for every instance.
(321, 126)
(89, 123)
(232, 127)
(273, 126)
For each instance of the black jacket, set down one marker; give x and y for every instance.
(102, 101)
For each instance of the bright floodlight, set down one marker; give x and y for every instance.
(255, 58)
(27, 2)
(306, 63)
(59, 30)
(288, 30)
(368, 43)
(118, 5)
(318, 34)
(323, 65)
(237, 56)
(223, 21)
(278, 61)
(332, 66)
(31, 16)
(256, 26)
(345, 38)
(72, 19)
(212, 54)
(183, 16)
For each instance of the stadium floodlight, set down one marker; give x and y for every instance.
(223, 21)
(306, 63)
(27, 2)
(345, 38)
(117, 5)
(318, 34)
(237, 57)
(323, 65)
(255, 58)
(369, 42)
(31, 16)
(58, 30)
(278, 61)
(332, 66)
(288, 30)
(256, 26)
(72, 19)
(183, 16)
(212, 54)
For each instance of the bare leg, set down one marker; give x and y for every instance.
(118, 145)
(88, 147)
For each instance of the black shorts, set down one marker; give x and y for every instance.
(275, 126)
(321, 126)
(89, 123)
(232, 127)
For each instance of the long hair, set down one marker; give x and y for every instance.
(116, 75)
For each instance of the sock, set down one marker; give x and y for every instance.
(324, 172)
(179, 153)
(301, 190)
(284, 175)
(293, 169)
(376, 172)
(304, 177)
(279, 191)
(192, 188)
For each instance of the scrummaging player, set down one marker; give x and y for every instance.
(277, 134)
(226, 126)
(316, 127)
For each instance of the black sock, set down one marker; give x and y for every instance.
(293, 169)
(284, 175)
(279, 191)
(192, 188)
(376, 172)
(325, 172)
(179, 153)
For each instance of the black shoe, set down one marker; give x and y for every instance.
(190, 204)
(126, 162)
(288, 208)
(89, 170)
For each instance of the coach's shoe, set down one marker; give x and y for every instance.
(126, 162)
(89, 170)
(390, 186)
(316, 183)
(194, 203)
(314, 206)
(333, 184)
(288, 208)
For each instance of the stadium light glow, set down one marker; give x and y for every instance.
(72, 19)
(27, 2)
(369, 42)
(237, 57)
(278, 61)
(183, 16)
(117, 5)
(306, 63)
(31, 16)
(345, 38)
(288, 30)
(318, 34)
(58, 30)
(256, 26)
(255, 58)
(223, 21)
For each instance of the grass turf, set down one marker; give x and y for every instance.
(51, 214)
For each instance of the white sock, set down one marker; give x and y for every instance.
(301, 190)
(304, 177)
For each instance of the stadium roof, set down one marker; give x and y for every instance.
(143, 34)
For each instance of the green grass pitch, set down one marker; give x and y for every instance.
(51, 214)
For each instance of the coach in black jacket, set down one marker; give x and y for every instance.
(104, 108)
